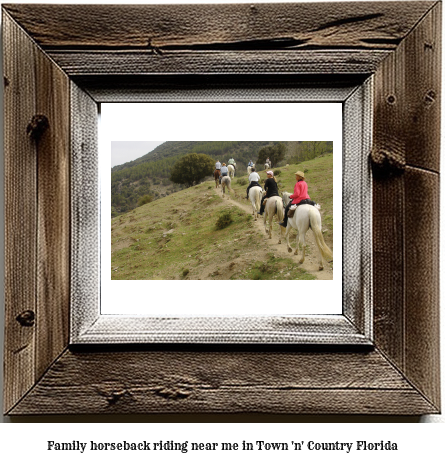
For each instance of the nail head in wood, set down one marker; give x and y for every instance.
(430, 97)
(26, 318)
(37, 126)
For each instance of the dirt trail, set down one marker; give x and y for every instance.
(311, 261)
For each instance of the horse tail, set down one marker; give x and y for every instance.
(280, 210)
(315, 225)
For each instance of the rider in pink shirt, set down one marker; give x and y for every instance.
(299, 196)
(300, 191)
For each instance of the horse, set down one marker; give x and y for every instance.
(274, 206)
(305, 217)
(216, 175)
(249, 169)
(231, 171)
(255, 199)
(225, 182)
(266, 166)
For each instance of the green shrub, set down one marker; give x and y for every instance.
(224, 219)
(185, 272)
(242, 181)
(145, 199)
(277, 172)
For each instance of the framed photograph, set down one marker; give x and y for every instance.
(77, 341)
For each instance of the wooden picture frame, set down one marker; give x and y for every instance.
(76, 56)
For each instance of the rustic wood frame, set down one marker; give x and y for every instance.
(102, 51)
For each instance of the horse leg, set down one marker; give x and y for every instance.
(303, 247)
(265, 221)
(297, 245)
(286, 236)
(320, 258)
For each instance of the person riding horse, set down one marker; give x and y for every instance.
(254, 177)
(224, 171)
(271, 188)
(299, 197)
(217, 169)
(232, 162)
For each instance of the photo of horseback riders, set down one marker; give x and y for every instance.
(190, 211)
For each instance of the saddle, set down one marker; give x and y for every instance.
(291, 211)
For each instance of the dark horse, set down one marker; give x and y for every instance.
(217, 174)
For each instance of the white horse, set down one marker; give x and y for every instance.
(249, 169)
(231, 171)
(255, 199)
(225, 182)
(305, 217)
(266, 166)
(274, 206)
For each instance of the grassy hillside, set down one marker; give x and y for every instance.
(319, 177)
(150, 174)
(176, 237)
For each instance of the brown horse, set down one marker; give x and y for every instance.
(216, 175)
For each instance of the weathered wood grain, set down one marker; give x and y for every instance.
(399, 42)
(422, 324)
(153, 27)
(85, 211)
(20, 213)
(423, 92)
(406, 133)
(222, 382)
(78, 63)
(53, 236)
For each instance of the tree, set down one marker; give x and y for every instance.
(145, 199)
(275, 153)
(313, 149)
(192, 168)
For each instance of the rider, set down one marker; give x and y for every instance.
(231, 162)
(217, 171)
(250, 163)
(268, 162)
(224, 172)
(271, 188)
(254, 177)
(299, 197)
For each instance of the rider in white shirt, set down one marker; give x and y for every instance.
(254, 177)
(218, 165)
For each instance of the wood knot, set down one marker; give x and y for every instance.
(173, 393)
(387, 163)
(26, 318)
(37, 126)
(5, 81)
(391, 99)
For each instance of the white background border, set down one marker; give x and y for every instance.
(219, 122)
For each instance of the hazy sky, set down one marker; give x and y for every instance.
(123, 151)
